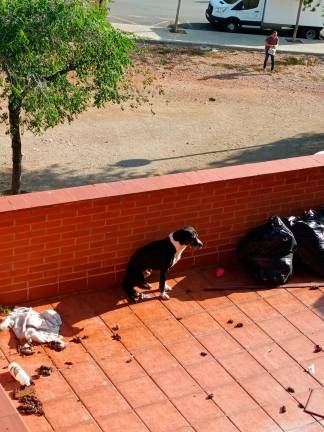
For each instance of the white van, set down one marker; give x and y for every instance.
(267, 14)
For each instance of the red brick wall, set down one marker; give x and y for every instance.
(80, 238)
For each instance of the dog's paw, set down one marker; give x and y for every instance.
(167, 288)
(164, 296)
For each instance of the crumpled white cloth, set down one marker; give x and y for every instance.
(33, 326)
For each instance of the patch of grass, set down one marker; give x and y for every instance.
(299, 61)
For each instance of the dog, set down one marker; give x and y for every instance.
(159, 255)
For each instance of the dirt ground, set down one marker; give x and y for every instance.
(218, 108)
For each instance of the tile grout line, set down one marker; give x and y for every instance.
(220, 364)
(134, 409)
(247, 350)
(273, 340)
(217, 361)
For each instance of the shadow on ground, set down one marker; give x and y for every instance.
(57, 176)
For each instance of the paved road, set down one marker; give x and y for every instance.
(156, 12)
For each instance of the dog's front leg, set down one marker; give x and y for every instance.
(163, 286)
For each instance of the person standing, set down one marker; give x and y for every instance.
(271, 45)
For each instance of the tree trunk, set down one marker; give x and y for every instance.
(14, 127)
(297, 19)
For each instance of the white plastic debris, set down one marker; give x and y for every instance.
(33, 326)
(19, 374)
(311, 369)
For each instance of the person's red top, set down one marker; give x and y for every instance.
(272, 40)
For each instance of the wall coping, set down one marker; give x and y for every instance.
(148, 184)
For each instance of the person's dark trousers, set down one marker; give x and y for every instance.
(267, 55)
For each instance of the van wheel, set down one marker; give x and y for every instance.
(310, 33)
(231, 26)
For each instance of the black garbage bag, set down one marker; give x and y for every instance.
(268, 250)
(309, 234)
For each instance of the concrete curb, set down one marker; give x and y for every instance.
(221, 47)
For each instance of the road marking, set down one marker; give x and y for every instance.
(162, 22)
(122, 19)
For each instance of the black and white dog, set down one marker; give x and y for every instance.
(158, 255)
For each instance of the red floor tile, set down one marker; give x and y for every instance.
(151, 310)
(169, 331)
(125, 421)
(306, 322)
(232, 399)
(138, 337)
(162, 417)
(313, 427)
(300, 348)
(200, 324)
(222, 424)
(293, 418)
(140, 392)
(189, 351)
(242, 365)
(12, 423)
(53, 387)
(37, 424)
(279, 328)
(176, 382)
(209, 374)
(250, 336)
(211, 300)
(259, 310)
(272, 356)
(124, 316)
(183, 305)
(85, 376)
(286, 303)
(103, 401)
(241, 297)
(230, 312)
(155, 359)
(66, 412)
(295, 377)
(121, 367)
(220, 343)
(90, 426)
(197, 409)
(264, 389)
(255, 421)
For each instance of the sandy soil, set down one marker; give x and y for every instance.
(218, 108)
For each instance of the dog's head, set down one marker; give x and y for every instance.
(187, 236)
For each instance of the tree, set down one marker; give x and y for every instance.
(57, 58)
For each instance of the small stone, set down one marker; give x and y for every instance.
(212, 99)
(230, 321)
(290, 390)
(116, 337)
(317, 349)
(68, 363)
(210, 396)
(300, 405)
(203, 354)
(238, 325)
(282, 410)
(178, 318)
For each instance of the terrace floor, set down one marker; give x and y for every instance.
(173, 354)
